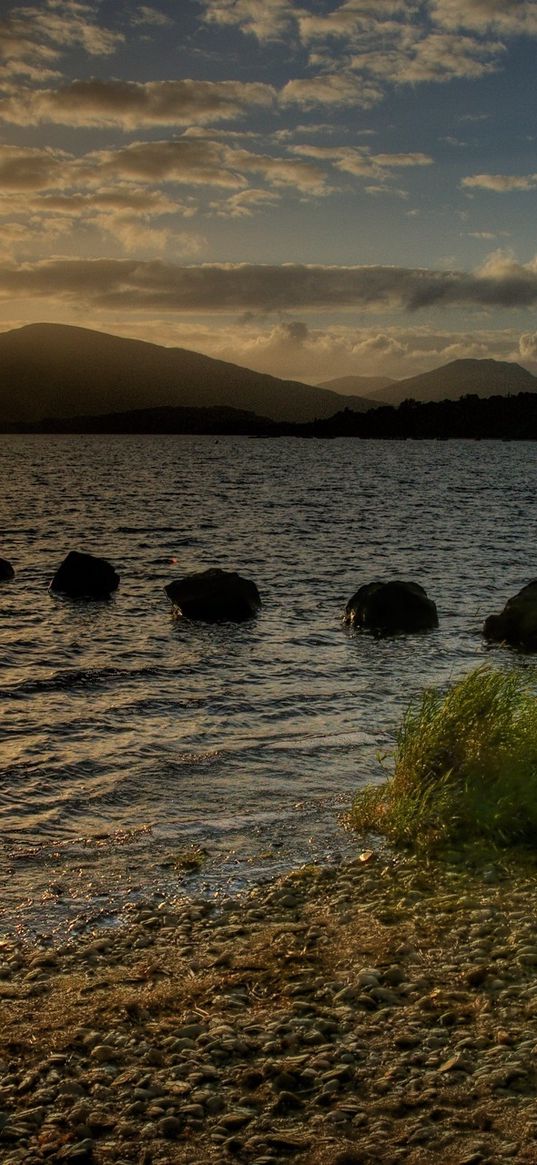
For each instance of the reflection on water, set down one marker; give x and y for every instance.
(246, 739)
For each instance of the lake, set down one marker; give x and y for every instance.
(130, 737)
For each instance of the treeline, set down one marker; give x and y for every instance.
(218, 420)
(512, 418)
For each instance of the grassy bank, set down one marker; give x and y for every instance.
(464, 768)
(378, 1012)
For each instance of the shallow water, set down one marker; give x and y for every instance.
(128, 736)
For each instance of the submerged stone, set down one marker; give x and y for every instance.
(6, 570)
(83, 576)
(516, 625)
(391, 607)
(215, 596)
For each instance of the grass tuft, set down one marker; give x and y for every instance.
(465, 767)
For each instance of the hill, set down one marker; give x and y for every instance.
(218, 420)
(359, 387)
(482, 378)
(492, 418)
(54, 370)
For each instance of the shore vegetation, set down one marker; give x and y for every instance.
(464, 767)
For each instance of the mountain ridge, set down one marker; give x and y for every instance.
(61, 370)
(359, 385)
(470, 376)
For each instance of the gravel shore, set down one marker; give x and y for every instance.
(381, 1011)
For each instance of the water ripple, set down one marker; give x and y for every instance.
(118, 717)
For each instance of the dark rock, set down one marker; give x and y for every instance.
(215, 596)
(286, 1102)
(6, 570)
(84, 576)
(79, 1154)
(287, 1142)
(170, 1127)
(517, 623)
(349, 1157)
(386, 608)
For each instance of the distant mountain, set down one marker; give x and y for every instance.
(54, 370)
(359, 387)
(481, 378)
(506, 418)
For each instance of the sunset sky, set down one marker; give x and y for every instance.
(312, 189)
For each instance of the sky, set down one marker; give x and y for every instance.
(312, 190)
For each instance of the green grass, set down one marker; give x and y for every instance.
(465, 767)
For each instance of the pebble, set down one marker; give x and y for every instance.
(328, 1007)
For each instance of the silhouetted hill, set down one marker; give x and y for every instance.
(449, 382)
(506, 418)
(53, 370)
(510, 418)
(359, 387)
(160, 420)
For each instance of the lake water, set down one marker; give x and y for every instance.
(129, 737)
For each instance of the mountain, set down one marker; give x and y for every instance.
(481, 378)
(56, 370)
(359, 387)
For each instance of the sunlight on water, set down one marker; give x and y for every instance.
(118, 719)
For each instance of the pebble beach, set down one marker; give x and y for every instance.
(383, 1010)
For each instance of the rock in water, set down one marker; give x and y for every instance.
(517, 623)
(215, 596)
(83, 576)
(6, 570)
(386, 608)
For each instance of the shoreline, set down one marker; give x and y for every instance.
(384, 1010)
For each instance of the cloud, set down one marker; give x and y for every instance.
(25, 168)
(125, 193)
(359, 48)
(138, 237)
(440, 57)
(355, 52)
(500, 182)
(113, 200)
(509, 17)
(44, 196)
(291, 348)
(267, 20)
(355, 20)
(337, 89)
(246, 203)
(380, 189)
(130, 104)
(34, 37)
(487, 235)
(199, 161)
(227, 287)
(528, 345)
(145, 14)
(189, 161)
(360, 161)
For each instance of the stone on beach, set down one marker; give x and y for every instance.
(340, 1037)
(215, 596)
(517, 623)
(391, 607)
(6, 570)
(84, 576)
